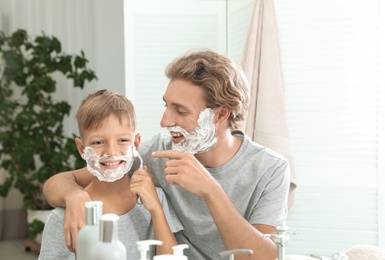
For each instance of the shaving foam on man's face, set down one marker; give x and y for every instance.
(109, 168)
(201, 139)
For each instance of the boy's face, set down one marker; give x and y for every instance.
(184, 102)
(110, 138)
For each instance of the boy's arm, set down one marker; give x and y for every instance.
(162, 232)
(142, 184)
(64, 190)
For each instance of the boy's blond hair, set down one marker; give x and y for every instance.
(100, 105)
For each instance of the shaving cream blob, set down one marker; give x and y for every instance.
(201, 139)
(95, 167)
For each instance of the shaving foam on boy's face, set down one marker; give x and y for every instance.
(201, 139)
(98, 166)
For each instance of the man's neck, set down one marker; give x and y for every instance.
(225, 149)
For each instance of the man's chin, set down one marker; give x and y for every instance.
(177, 140)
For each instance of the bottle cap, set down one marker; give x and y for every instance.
(108, 228)
(178, 249)
(231, 253)
(94, 211)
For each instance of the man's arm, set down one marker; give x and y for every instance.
(184, 170)
(66, 190)
(235, 231)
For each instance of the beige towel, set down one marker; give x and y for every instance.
(266, 123)
(365, 252)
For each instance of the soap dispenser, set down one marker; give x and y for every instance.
(144, 246)
(177, 254)
(89, 234)
(109, 247)
(178, 251)
(231, 253)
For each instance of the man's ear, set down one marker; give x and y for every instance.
(79, 145)
(222, 113)
(137, 140)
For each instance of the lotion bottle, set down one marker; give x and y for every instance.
(177, 254)
(109, 247)
(89, 234)
(144, 246)
(231, 253)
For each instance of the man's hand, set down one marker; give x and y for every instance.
(75, 216)
(185, 170)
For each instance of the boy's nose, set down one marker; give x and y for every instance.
(111, 150)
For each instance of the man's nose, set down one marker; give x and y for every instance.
(167, 119)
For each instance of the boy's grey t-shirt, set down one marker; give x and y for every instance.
(136, 225)
(256, 180)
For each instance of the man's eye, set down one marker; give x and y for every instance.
(181, 112)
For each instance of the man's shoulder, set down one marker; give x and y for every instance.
(263, 152)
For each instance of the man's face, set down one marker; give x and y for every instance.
(184, 102)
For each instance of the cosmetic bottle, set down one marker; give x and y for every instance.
(89, 234)
(109, 247)
(144, 246)
(231, 253)
(177, 254)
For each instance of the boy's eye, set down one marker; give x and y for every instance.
(96, 143)
(124, 141)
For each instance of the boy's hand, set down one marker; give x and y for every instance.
(75, 216)
(142, 184)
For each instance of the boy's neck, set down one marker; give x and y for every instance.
(116, 196)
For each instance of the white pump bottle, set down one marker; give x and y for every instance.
(144, 246)
(109, 247)
(89, 234)
(177, 255)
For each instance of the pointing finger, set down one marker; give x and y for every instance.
(167, 154)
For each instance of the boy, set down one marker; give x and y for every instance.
(108, 143)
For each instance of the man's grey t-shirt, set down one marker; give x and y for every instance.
(136, 225)
(256, 180)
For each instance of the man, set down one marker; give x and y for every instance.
(227, 190)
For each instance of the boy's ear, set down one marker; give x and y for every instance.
(79, 145)
(137, 140)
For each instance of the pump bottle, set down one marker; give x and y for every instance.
(177, 254)
(144, 246)
(109, 247)
(89, 234)
(231, 253)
